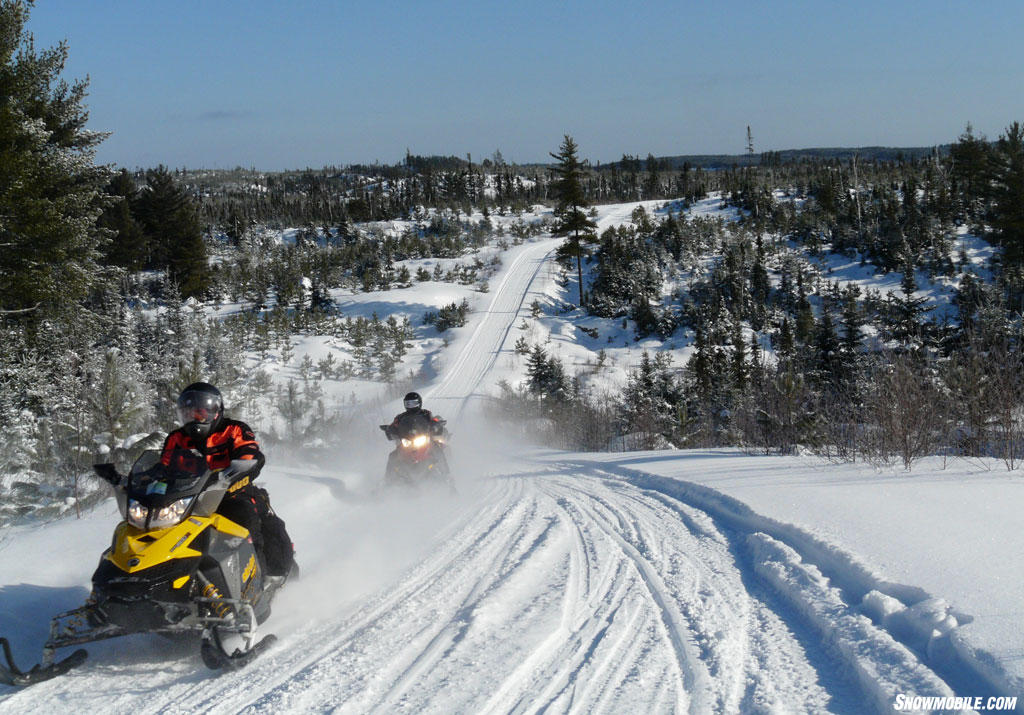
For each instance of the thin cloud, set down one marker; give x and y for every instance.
(218, 115)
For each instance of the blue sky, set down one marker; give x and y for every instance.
(280, 85)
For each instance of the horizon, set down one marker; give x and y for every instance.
(279, 87)
(552, 162)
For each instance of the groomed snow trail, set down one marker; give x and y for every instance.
(561, 593)
(562, 589)
(552, 585)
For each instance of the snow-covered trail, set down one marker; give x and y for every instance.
(562, 593)
(551, 584)
(476, 354)
(557, 587)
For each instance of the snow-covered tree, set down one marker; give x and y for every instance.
(50, 188)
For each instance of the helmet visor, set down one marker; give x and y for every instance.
(197, 414)
(412, 404)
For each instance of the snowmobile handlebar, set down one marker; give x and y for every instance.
(236, 470)
(108, 473)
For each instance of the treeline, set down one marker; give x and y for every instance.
(233, 201)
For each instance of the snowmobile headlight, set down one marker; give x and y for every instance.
(137, 514)
(170, 514)
(420, 440)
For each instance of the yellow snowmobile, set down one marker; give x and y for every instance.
(174, 566)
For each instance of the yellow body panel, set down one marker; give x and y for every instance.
(137, 550)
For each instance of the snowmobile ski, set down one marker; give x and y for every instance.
(12, 675)
(216, 657)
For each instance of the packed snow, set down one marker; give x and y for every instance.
(670, 581)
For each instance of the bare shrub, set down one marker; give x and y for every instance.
(905, 409)
(1006, 364)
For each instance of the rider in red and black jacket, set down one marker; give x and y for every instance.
(229, 445)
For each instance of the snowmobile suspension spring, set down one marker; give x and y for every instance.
(212, 592)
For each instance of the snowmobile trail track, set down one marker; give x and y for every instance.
(327, 648)
(881, 665)
(464, 376)
(566, 589)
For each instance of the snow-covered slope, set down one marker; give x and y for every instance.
(558, 582)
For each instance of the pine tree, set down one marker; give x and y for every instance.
(572, 220)
(1008, 195)
(786, 345)
(738, 364)
(171, 223)
(826, 349)
(50, 189)
(970, 157)
(804, 320)
(852, 321)
(119, 403)
(128, 246)
(700, 365)
(651, 399)
(546, 376)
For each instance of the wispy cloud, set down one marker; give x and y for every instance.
(218, 115)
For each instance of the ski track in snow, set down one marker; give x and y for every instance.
(561, 587)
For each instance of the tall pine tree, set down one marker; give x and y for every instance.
(168, 216)
(128, 247)
(1008, 195)
(572, 221)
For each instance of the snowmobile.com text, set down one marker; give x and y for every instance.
(979, 703)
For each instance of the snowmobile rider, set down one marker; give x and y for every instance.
(223, 442)
(415, 419)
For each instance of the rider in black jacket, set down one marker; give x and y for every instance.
(415, 420)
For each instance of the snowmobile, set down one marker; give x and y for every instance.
(419, 455)
(174, 566)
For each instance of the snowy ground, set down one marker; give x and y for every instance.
(636, 582)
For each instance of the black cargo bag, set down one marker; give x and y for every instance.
(277, 545)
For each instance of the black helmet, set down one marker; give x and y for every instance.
(200, 407)
(412, 402)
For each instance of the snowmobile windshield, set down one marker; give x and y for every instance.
(159, 476)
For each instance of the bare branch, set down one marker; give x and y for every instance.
(19, 311)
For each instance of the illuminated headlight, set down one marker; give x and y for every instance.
(170, 514)
(417, 441)
(158, 518)
(137, 514)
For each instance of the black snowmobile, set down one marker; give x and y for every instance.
(419, 455)
(174, 566)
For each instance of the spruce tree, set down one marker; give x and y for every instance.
(852, 321)
(1008, 195)
(128, 247)
(969, 157)
(572, 221)
(171, 223)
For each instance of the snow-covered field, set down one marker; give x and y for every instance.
(700, 581)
